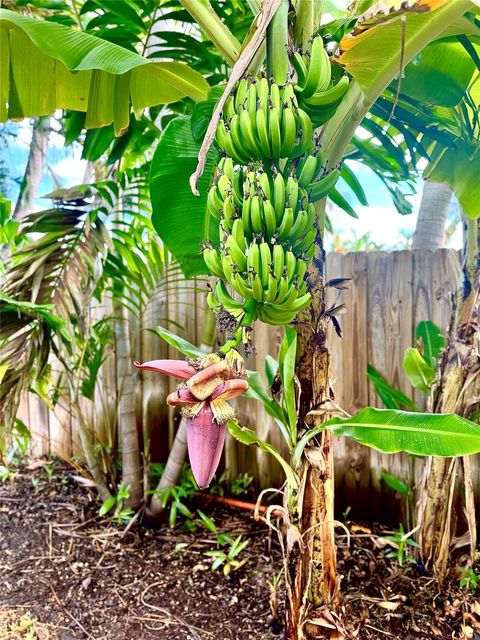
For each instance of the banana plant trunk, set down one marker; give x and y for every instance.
(126, 418)
(456, 391)
(312, 562)
(432, 216)
(37, 160)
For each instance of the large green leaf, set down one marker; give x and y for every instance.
(46, 66)
(375, 54)
(439, 74)
(460, 168)
(179, 217)
(424, 434)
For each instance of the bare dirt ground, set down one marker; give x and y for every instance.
(65, 574)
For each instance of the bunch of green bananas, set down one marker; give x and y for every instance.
(314, 90)
(263, 120)
(267, 236)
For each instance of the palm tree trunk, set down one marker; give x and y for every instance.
(34, 169)
(178, 452)
(126, 418)
(457, 391)
(432, 216)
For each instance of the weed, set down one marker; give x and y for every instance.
(470, 579)
(121, 514)
(401, 543)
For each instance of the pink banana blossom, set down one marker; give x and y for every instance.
(208, 383)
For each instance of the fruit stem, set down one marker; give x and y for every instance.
(277, 42)
(246, 321)
(304, 23)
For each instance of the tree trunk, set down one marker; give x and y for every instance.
(457, 391)
(312, 562)
(432, 216)
(34, 169)
(178, 452)
(126, 418)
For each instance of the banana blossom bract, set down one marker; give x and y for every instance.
(208, 383)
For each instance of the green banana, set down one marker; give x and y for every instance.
(315, 69)
(240, 93)
(256, 214)
(275, 96)
(269, 218)
(265, 261)
(262, 132)
(278, 256)
(287, 223)
(292, 192)
(278, 196)
(330, 97)
(249, 137)
(300, 67)
(290, 264)
(213, 262)
(299, 226)
(271, 290)
(320, 189)
(241, 287)
(225, 298)
(238, 232)
(275, 133)
(257, 287)
(236, 254)
(253, 257)
(308, 171)
(289, 132)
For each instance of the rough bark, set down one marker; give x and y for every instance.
(432, 216)
(34, 170)
(312, 564)
(126, 419)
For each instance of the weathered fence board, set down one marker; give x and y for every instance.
(388, 295)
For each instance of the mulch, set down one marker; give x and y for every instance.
(67, 574)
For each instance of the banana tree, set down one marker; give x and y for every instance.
(374, 53)
(374, 49)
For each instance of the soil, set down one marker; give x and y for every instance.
(67, 574)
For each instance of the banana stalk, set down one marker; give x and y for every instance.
(277, 41)
(204, 15)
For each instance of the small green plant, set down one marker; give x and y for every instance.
(470, 579)
(121, 514)
(7, 474)
(174, 498)
(50, 471)
(179, 547)
(241, 484)
(237, 486)
(25, 628)
(401, 543)
(227, 555)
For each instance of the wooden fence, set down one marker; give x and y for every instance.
(389, 295)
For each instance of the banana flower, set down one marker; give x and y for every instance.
(208, 383)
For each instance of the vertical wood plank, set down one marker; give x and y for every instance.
(349, 377)
(390, 331)
(39, 427)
